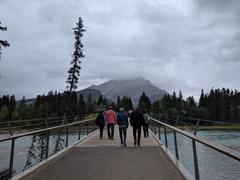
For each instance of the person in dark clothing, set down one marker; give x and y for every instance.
(146, 123)
(100, 122)
(122, 121)
(136, 121)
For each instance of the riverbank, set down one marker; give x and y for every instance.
(213, 127)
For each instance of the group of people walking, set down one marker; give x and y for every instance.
(138, 119)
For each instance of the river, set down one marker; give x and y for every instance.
(212, 165)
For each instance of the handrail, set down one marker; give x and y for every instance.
(47, 131)
(199, 119)
(38, 119)
(220, 148)
(44, 130)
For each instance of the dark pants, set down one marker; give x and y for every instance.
(110, 129)
(137, 135)
(101, 130)
(123, 134)
(145, 130)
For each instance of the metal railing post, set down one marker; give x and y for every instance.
(79, 132)
(46, 124)
(87, 128)
(176, 146)
(150, 125)
(67, 136)
(47, 147)
(154, 129)
(195, 159)
(159, 132)
(160, 117)
(196, 127)
(10, 169)
(165, 133)
(10, 128)
(166, 119)
(176, 122)
(79, 129)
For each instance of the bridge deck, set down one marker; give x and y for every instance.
(104, 159)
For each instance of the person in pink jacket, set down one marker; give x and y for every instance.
(111, 118)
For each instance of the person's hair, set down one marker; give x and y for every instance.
(121, 109)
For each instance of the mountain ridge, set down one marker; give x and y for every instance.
(131, 87)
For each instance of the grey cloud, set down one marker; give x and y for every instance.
(178, 45)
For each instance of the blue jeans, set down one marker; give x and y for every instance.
(110, 133)
(123, 134)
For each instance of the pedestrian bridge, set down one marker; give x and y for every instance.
(90, 157)
(95, 159)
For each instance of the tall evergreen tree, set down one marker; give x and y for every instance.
(118, 105)
(12, 106)
(202, 99)
(3, 43)
(100, 100)
(74, 71)
(89, 104)
(180, 102)
(81, 105)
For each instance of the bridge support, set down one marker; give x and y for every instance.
(195, 159)
(10, 169)
(175, 143)
(165, 134)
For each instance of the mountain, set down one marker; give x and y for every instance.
(132, 88)
(112, 89)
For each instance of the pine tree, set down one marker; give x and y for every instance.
(74, 71)
(12, 106)
(130, 104)
(100, 100)
(202, 99)
(118, 102)
(89, 104)
(180, 103)
(81, 105)
(3, 43)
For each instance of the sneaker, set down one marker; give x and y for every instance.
(125, 144)
(134, 143)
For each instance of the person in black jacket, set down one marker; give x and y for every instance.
(136, 121)
(100, 122)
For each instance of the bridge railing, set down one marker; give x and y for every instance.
(193, 124)
(160, 129)
(81, 127)
(22, 125)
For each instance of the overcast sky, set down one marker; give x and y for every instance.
(176, 44)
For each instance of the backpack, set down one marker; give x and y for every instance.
(146, 118)
(100, 120)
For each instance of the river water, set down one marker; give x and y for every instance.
(212, 164)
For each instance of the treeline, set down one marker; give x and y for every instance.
(218, 105)
(56, 104)
(51, 105)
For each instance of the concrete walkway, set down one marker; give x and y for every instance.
(103, 159)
